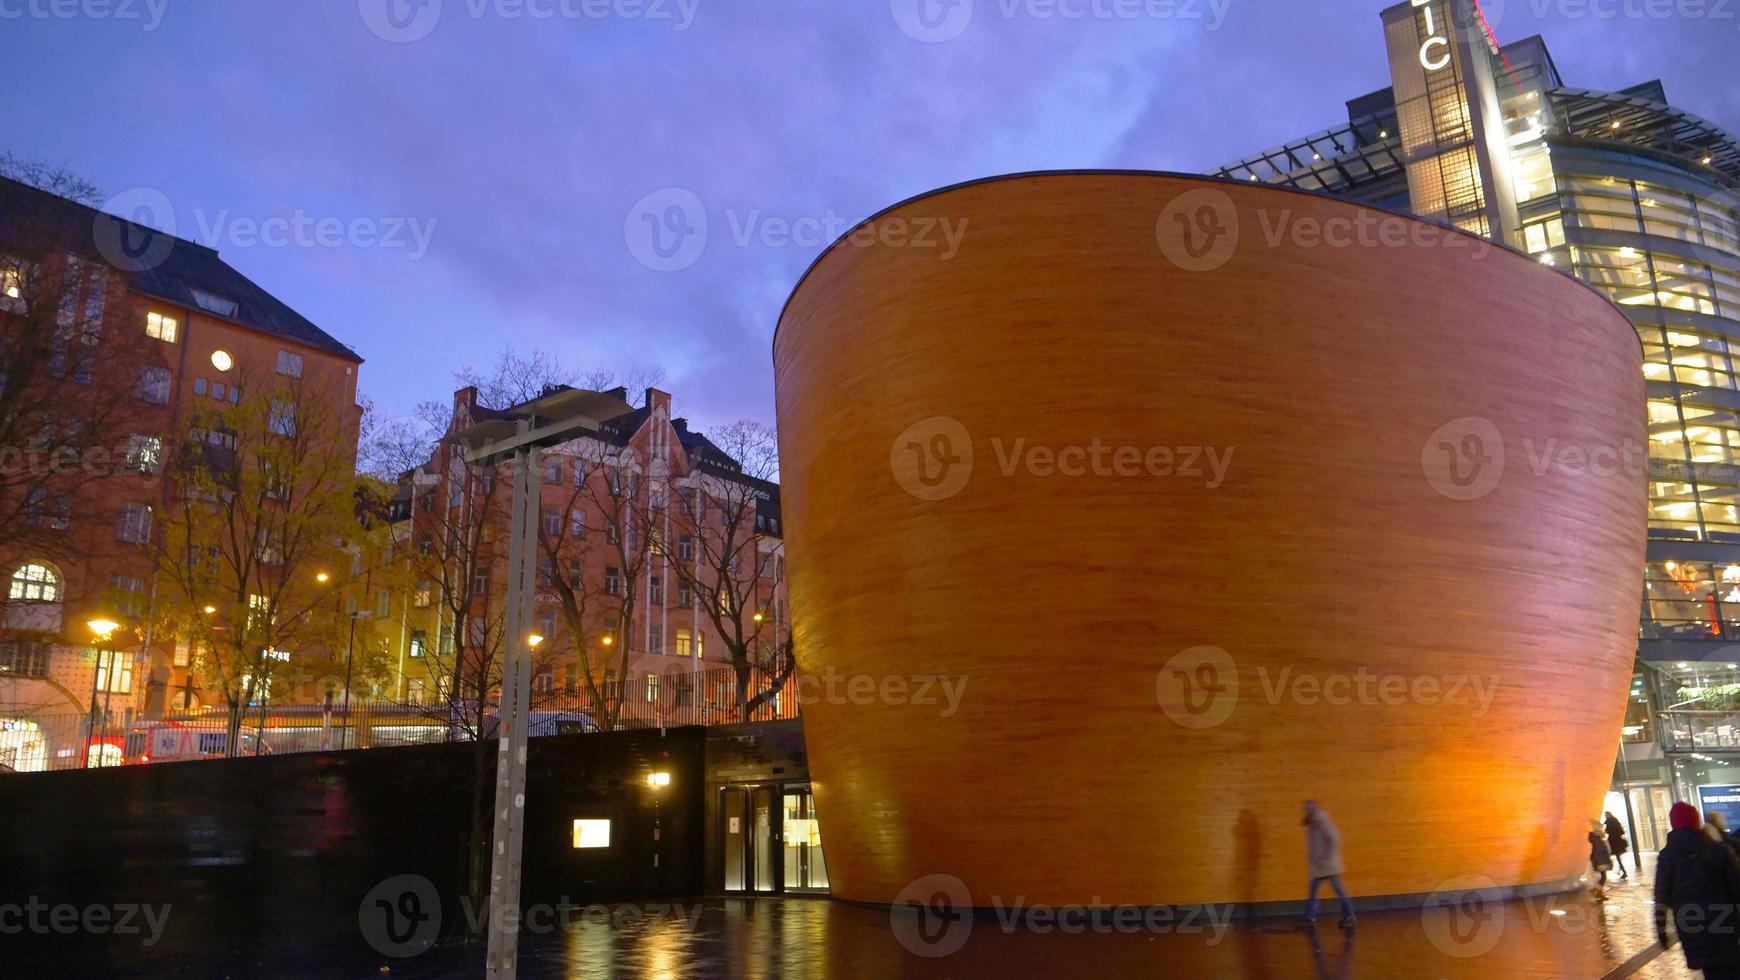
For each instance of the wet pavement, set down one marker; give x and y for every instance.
(1570, 935)
(1565, 936)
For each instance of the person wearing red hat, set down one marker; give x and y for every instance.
(1697, 886)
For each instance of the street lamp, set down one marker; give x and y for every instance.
(102, 630)
(534, 640)
(516, 437)
(349, 657)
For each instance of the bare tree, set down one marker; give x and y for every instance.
(599, 598)
(56, 178)
(390, 447)
(729, 555)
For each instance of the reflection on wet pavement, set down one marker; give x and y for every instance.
(1569, 935)
(1565, 936)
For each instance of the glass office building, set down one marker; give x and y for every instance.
(1642, 200)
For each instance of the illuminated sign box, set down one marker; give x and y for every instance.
(591, 833)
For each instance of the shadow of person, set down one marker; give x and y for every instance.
(1247, 857)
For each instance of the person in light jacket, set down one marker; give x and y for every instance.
(1323, 854)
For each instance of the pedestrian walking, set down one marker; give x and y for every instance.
(1617, 844)
(1600, 858)
(1697, 887)
(1323, 854)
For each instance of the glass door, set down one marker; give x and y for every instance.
(735, 809)
(752, 839)
(805, 870)
(763, 863)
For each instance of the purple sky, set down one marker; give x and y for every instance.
(527, 141)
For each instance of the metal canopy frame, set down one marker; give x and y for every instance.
(1331, 161)
(1591, 115)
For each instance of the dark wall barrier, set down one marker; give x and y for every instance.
(262, 865)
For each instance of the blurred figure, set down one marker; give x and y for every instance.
(1600, 858)
(1617, 844)
(1697, 885)
(1716, 826)
(1323, 853)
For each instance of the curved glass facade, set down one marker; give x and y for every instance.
(1664, 243)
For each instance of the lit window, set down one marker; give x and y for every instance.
(260, 612)
(11, 278)
(591, 833)
(160, 327)
(144, 453)
(419, 642)
(289, 364)
(114, 672)
(685, 643)
(652, 687)
(220, 305)
(35, 583)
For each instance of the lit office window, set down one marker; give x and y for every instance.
(591, 833)
(160, 327)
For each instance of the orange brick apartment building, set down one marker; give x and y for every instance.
(646, 526)
(175, 327)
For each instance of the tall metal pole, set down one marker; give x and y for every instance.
(349, 649)
(108, 693)
(91, 716)
(505, 846)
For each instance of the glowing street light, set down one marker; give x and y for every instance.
(103, 630)
(322, 578)
(534, 640)
(656, 779)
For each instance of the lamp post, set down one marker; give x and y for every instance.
(102, 630)
(516, 437)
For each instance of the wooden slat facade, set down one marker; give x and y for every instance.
(1334, 377)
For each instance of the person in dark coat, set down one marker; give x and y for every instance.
(1617, 844)
(1697, 886)
(1600, 858)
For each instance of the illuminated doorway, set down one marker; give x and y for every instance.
(772, 840)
